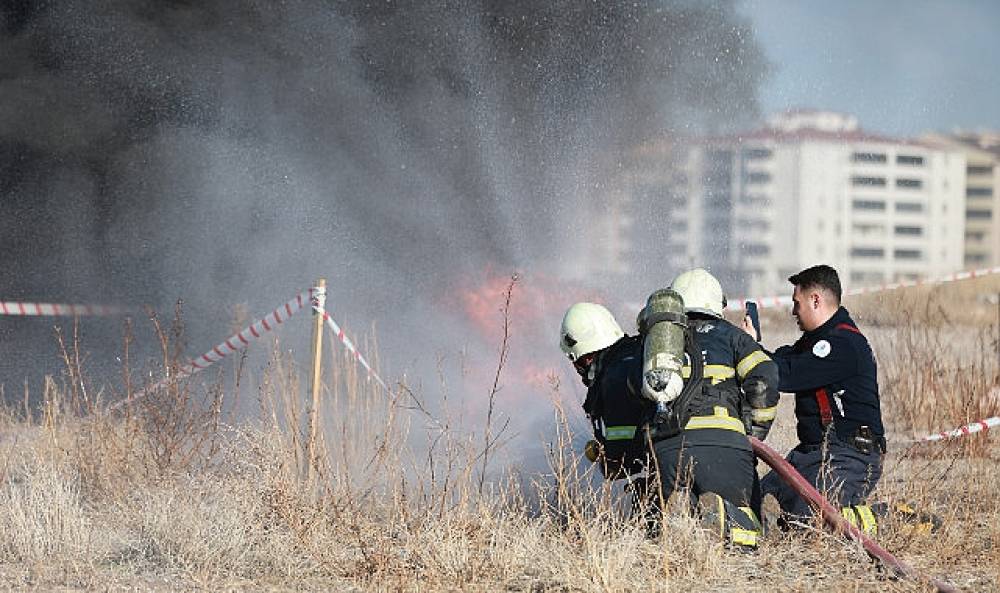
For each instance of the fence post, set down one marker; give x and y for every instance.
(317, 366)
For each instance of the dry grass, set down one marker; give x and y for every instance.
(172, 495)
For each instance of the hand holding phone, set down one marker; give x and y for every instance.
(754, 317)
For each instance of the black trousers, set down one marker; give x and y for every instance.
(727, 471)
(841, 472)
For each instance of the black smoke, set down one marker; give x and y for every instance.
(232, 151)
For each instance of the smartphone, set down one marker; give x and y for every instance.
(751, 312)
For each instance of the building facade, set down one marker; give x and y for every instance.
(811, 187)
(982, 194)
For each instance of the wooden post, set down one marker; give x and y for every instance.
(317, 367)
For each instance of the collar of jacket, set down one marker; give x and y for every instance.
(841, 316)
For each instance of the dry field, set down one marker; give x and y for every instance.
(174, 495)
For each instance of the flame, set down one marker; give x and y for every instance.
(537, 305)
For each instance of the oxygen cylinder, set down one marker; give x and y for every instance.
(663, 323)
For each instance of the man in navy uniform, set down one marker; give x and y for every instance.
(832, 372)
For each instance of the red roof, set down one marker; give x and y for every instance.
(806, 134)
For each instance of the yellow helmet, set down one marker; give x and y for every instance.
(586, 328)
(701, 292)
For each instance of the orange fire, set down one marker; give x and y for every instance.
(537, 305)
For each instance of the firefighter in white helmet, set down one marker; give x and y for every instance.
(625, 423)
(609, 362)
(738, 396)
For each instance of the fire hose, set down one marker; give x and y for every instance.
(835, 520)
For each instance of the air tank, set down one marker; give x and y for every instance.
(663, 323)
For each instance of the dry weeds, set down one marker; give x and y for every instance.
(173, 496)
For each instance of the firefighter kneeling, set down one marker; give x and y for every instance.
(688, 435)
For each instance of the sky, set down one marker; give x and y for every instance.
(902, 67)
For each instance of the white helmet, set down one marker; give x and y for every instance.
(701, 292)
(587, 328)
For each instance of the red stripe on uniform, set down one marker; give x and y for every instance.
(848, 327)
(823, 400)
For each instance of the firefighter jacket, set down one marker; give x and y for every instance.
(739, 388)
(738, 392)
(833, 374)
(616, 408)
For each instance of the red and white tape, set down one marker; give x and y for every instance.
(339, 332)
(778, 301)
(20, 309)
(970, 428)
(234, 343)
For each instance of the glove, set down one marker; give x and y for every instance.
(759, 432)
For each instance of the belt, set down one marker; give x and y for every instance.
(863, 443)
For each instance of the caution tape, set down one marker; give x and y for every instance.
(235, 342)
(339, 332)
(20, 309)
(970, 428)
(778, 301)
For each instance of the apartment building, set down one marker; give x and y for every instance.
(982, 194)
(809, 187)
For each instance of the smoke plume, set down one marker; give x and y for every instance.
(233, 151)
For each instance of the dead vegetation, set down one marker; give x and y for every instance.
(172, 493)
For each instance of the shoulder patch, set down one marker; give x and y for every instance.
(821, 348)
(705, 328)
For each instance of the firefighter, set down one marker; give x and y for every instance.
(700, 444)
(831, 369)
(738, 395)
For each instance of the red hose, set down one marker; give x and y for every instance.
(833, 517)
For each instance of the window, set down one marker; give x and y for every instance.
(756, 249)
(757, 225)
(878, 205)
(910, 231)
(909, 183)
(909, 207)
(978, 192)
(758, 177)
(757, 153)
(867, 277)
(978, 214)
(906, 159)
(868, 181)
(975, 258)
(979, 169)
(975, 235)
(907, 254)
(868, 229)
(867, 252)
(755, 200)
(868, 157)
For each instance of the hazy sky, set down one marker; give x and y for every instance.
(901, 67)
